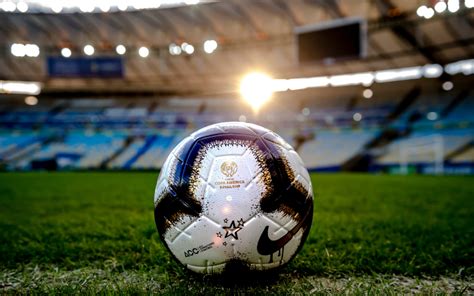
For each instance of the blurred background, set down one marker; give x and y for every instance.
(376, 85)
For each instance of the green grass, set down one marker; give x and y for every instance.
(95, 233)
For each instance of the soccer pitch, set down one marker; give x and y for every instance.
(95, 233)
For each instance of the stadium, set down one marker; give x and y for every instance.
(375, 96)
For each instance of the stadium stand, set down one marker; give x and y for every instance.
(129, 152)
(158, 149)
(78, 149)
(330, 149)
(139, 134)
(14, 145)
(451, 140)
(465, 157)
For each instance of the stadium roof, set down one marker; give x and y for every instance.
(249, 35)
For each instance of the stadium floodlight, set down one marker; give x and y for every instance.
(174, 49)
(18, 50)
(31, 100)
(21, 50)
(87, 6)
(432, 71)
(367, 93)
(421, 11)
(429, 13)
(104, 7)
(143, 51)
(320, 81)
(32, 50)
(366, 78)
(189, 49)
(56, 7)
(183, 45)
(210, 46)
(469, 3)
(20, 87)
(120, 49)
(8, 6)
(398, 74)
(453, 5)
(22, 6)
(66, 52)
(303, 83)
(432, 116)
(447, 85)
(145, 4)
(299, 83)
(256, 89)
(280, 84)
(89, 50)
(306, 111)
(465, 67)
(122, 5)
(440, 7)
(357, 116)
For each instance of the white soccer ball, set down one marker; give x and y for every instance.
(231, 196)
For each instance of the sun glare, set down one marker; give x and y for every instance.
(256, 89)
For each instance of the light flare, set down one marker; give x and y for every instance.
(256, 89)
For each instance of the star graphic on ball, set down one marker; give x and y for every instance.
(241, 222)
(232, 230)
(219, 234)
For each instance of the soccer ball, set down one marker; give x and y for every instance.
(233, 196)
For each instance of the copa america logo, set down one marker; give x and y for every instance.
(229, 168)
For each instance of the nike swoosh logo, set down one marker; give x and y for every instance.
(266, 246)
